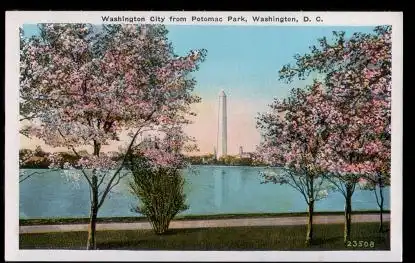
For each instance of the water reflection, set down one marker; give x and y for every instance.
(212, 190)
(219, 193)
(236, 182)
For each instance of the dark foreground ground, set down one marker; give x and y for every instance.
(327, 237)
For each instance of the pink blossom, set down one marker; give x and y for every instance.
(86, 99)
(343, 126)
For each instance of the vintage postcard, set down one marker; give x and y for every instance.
(203, 136)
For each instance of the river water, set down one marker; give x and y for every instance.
(209, 190)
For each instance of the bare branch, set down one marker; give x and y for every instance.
(337, 185)
(109, 185)
(25, 177)
(298, 186)
(76, 153)
(28, 117)
(101, 180)
(115, 183)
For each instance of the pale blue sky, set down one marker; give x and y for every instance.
(244, 61)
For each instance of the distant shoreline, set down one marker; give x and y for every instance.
(40, 160)
(192, 165)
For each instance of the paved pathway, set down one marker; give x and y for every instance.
(267, 221)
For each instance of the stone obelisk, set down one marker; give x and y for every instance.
(222, 128)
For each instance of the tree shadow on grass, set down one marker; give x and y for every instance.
(149, 241)
(182, 231)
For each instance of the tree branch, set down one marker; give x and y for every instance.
(298, 186)
(108, 188)
(25, 177)
(339, 187)
(101, 180)
(77, 155)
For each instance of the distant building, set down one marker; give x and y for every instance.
(243, 154)
(222, 136)
(214, 153)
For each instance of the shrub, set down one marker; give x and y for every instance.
(159, 192)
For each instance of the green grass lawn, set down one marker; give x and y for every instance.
(327, 237)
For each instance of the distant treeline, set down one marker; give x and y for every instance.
(234, 160)
(38, 159)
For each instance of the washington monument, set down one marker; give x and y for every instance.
(222, 136)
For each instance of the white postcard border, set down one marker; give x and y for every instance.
(14, 19)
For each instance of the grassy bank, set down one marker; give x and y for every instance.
(58, 221)
(327, 237)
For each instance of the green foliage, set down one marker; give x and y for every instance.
(38, 158)
(202, 159)
(33, 158)
(160, 193)
(231, 160)
(39, 152)
(68, 157)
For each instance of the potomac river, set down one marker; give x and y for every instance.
(209, 190)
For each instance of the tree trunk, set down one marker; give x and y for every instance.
(381, 208)
(97, 148)
(161, 227)
(91, 243)
(348, 213)
(309, 236)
